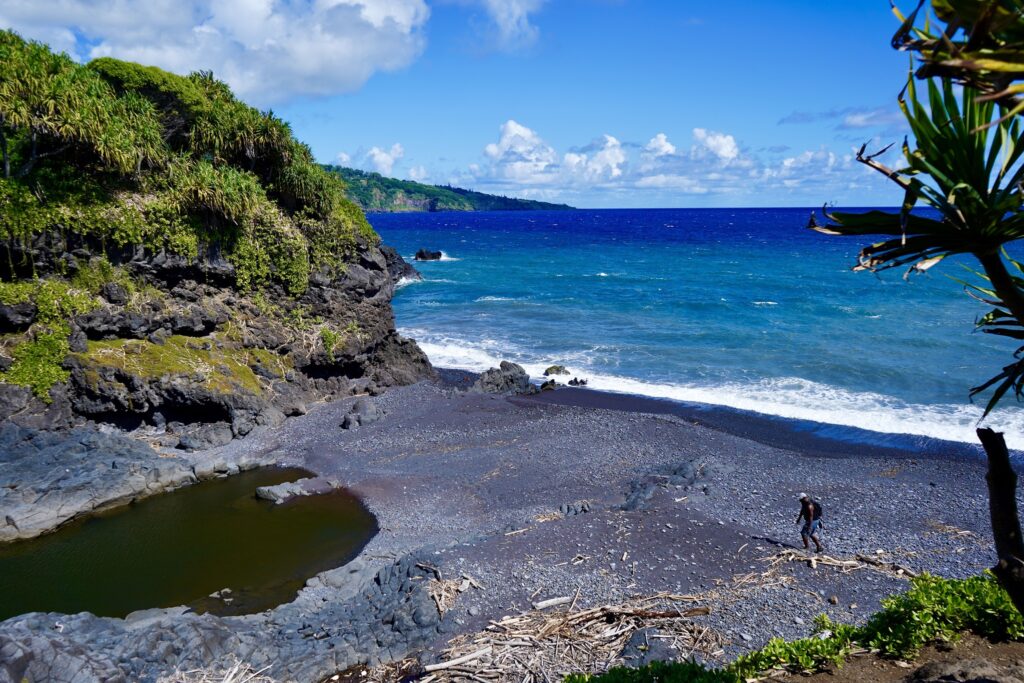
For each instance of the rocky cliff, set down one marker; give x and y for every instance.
(170, 348)
(173, 262)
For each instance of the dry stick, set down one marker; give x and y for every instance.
(551, 602)
(456, 662)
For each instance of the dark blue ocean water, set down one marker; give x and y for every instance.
(735, 307)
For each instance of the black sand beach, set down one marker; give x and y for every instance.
(573, 493)
(485, 481)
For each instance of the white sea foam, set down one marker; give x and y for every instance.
(788, 397)
(494, 298)
(446, 257)
(765, 303)
(406, 281)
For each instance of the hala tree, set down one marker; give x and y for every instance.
(965, 165)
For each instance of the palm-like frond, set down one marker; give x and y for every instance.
(969, 174)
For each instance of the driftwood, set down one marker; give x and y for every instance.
(544, 645)
(552, 602)
(460, 660)
(855, 563)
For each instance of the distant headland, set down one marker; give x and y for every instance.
(374, 192)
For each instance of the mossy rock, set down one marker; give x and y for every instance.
(556, 370)
(218, 368)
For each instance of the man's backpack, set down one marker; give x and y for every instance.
(818, 511)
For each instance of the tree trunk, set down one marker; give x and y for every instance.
(3, 150)
(1002, 283)
(1002, 503)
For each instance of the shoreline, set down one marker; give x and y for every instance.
(449, 475)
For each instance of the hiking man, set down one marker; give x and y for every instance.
(810, 514)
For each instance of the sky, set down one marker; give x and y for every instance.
(596, 103)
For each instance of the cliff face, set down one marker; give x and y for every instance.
(174, 260)
(171, 347)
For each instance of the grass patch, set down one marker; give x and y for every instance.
(38, 359)
(221, 370)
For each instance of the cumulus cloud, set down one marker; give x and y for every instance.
(377, 159)
(268, 51)
(721, 145)
(603, 164)
(521, 156)
(418, 173)
(659, 146)
(383, 160)
(713, 163)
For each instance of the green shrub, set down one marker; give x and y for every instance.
(940, 609)
(330, 339)
(134, 155)
(933, 609)
(660, 672)
(38, 359)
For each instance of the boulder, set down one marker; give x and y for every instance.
(280, 493)
(16, 317)
(114, 293)
(427, 255)
(508, 378)
(362, 413)
(556, 370)
(398, 268)
(970, 670)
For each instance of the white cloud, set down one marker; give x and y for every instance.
(383, 161)
(607, 170)
(512, 20)
(672, 182)
(605, 164)
(721, 145)
(377, 159)
(268, 51)
(521, 156)
(659, 146)
(418, 173)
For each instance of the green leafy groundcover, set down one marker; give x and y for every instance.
(117, 154)
(129, 154)
(933, 609)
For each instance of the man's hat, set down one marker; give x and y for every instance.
(804, 496)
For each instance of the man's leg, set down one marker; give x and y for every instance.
(817, 542)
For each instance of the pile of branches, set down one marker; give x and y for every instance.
(545, 645)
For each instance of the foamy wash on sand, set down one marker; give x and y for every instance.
(734, 307)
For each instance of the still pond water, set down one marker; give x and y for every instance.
(178, 548)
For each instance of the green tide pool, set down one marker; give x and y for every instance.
(178, 548)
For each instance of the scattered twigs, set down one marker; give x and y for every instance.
(856, 563)
(545, 644)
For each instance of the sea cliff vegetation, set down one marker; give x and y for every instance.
(374, 192)
(134, 155)
(138, 206)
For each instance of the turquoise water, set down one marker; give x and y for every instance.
(742, 308)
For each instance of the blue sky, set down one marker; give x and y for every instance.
(602, 103)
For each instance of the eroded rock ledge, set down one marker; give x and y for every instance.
(172, 349)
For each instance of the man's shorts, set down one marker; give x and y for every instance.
(811, 528)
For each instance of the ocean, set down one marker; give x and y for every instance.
(739, 308)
